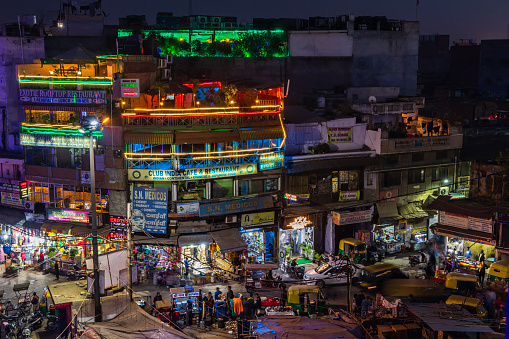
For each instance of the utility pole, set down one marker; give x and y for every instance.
(95, 249)
(129, 263)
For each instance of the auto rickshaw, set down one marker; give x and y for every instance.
(421, 290)
(306, 299)
(353, 247)
(456, 281)
(472, 305)
(498, 276)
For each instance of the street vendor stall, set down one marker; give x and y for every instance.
(260, 276)
(388, 239)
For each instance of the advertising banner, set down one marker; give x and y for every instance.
(349, 195)
(236, 206)
(481, 225)
(118, 229)
(150, 210)
(55, 140)
(12, 199)
(188, 208)
(34, 217)
(339, 134)
(258, 219)
(9, 184)
(192, 173)
(52, 96)
(68, 215)
(390, 195)
(355, 217)
(130, 88)
(336, 217)
(272, 160)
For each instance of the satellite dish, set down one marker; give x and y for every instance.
(372, 99)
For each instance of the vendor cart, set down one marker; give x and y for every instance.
(259, 276)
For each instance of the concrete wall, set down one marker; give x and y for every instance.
(387, 58)
(320, 44)
(10, 55)
(302, 136)
(363, 93)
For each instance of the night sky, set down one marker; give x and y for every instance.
(462, 19)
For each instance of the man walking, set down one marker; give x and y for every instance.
(57, 270)
(35, 302)
(284, 295)
(482, 273)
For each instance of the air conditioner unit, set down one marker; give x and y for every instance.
(169, 59)
(29, 205)
(166, 73)
(162, 63)
(231, 219)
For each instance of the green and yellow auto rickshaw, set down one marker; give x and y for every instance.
(498, 276)
(472, 305)
(353, 248)
(455, 282)
(306, 299)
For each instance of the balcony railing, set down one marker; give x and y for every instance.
(418, 144)
(262, 114)
(192, 163)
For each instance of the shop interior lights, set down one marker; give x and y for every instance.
(299, 223)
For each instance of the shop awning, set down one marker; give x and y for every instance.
(454, 232)
(229, 240)
(144, 240)
(412, 211)
(191, 227)
(262, 134)
(73, 229)
(261, 267)
(148, 138)
(195, 239)
(388, 210)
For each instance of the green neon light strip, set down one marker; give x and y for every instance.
(68, 82)
(57, 131)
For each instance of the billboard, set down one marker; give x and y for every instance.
(68, 215)
(339, 134)
(235, 206)
(130, 88)
(53, 96)
(150, 210)
(191, 173)
(272, 160)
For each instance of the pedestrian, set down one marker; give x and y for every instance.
(43, 303)
(490, 301)
(411, 298)
(429, 271)
(358, 298)
(250, 306)
(499, 308)
(482, 273)
(284, 295)
(229, 293)
(189, 313)
(429, 128)
(238, 309)
(469, 253)
(150, 267)
(209, 302)
(433, 260)
(35, 302)
(186, 265)
(258, 302)
(41, 256)
(217, 294)
(57, 270)
(482, 257)
(365, 306)
(158, 297)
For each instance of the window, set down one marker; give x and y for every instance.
(464, 169)
(348, 180)
(440, 173)
(259, 186)
(39, 192)
(416, 176)
(298, 184)
(441, 155)
(392, 178)
(191, 190)
(222, 188)
(416, 157)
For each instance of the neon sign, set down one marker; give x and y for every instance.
(130, 88)
(299, 223)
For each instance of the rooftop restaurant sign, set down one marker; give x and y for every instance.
(68, 215)
(55, 140)
(192, 173)
(52, 96)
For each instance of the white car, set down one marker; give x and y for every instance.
(328, 274)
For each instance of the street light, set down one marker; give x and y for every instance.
(88, 126)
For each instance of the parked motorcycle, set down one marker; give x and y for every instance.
(52, 323)
(417, 259)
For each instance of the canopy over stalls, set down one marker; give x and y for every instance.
(304, 328)
(134, 323)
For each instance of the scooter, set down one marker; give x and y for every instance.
(52, 323)
(417, 259)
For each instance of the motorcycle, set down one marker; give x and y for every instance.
(52, 323)
(417, 259)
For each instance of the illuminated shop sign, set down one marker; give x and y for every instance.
(68, 215)
(118, 231)
(55, 140)
(236, 206)
(130, 88)
(50, 96)
(23, 188)
(299, 223)
(258, 219)
(12, 199)
(272, 160)
(192, 173)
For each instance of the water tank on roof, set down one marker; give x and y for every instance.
(320, 102)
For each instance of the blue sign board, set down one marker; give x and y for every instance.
(150, 210)
(272, 160)
(235, 206)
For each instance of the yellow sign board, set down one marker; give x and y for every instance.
(339, 134)
(191, 173)
(263, 218)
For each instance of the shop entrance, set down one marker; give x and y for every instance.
(295, 243)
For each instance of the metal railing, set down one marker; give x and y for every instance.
(186, 163)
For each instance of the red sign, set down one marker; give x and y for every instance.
(390, 195)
